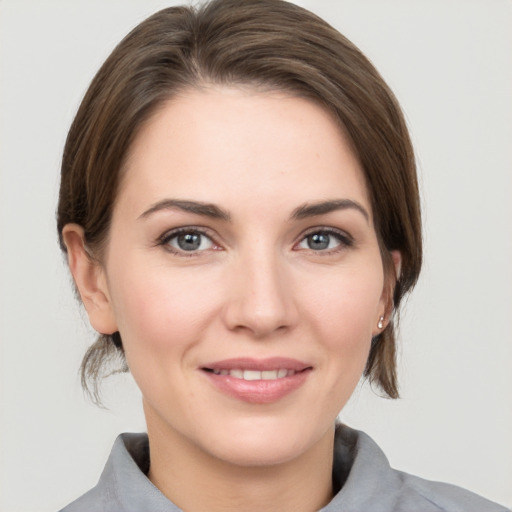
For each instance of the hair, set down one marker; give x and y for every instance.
(271, 45)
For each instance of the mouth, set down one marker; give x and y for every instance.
(259, 381)
(244, 374)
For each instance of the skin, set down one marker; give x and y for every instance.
(254, 288)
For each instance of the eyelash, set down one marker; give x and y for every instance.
(165, 239)
(345, 240)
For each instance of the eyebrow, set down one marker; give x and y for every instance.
(197, 207)
(215, 212)
(324, 207)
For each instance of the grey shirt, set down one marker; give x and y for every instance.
(361, 472)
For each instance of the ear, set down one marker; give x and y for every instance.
(90, 279)
(392, 274)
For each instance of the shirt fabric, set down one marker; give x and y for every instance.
(361, 471)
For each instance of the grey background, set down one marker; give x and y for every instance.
(450, 64)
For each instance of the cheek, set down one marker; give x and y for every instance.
(162, 316)
(161, 308)
(343, 313)
(348, 303)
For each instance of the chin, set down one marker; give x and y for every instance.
(265, 444)
(258, 453)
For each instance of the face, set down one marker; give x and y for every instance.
(243, 272)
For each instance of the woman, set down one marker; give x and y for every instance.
(240, 211)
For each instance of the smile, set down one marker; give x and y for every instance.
(239, 373)
(257, 381)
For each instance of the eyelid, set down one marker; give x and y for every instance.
(164, 239)
(346, 240)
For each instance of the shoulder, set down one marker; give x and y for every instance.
(91, 500)
(369, 484)
(441, 496)
(123, 485)
(103, 496)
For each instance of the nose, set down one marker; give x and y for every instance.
(260, 297)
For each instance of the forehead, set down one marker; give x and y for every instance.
(218, 143)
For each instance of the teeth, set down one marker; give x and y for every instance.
(256, 374)
(252, 375)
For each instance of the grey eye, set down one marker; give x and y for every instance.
(325, 240)
(191, 241)
(318, 241)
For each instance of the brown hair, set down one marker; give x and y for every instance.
(269, 44)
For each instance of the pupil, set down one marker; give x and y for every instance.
(189, 241)
(318, 241)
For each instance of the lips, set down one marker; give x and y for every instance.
(257, 381)
(239, 373)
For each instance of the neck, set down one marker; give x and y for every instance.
(195, 480)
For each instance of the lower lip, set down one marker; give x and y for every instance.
(258, 391)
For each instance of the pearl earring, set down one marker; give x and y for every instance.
(380, 325)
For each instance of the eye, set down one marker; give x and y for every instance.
(325, 240)
(187, 241)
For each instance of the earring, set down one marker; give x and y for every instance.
(380, 325)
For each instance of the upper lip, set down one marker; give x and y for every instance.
(271, 363)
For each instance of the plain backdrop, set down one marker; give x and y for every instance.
(449, 62)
